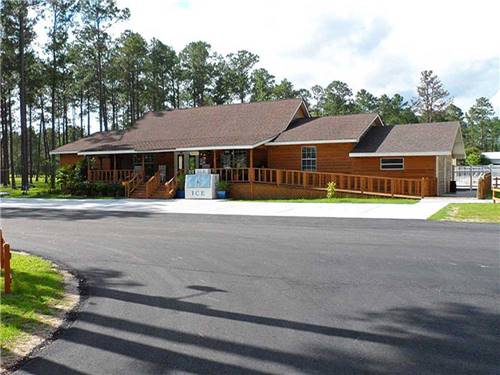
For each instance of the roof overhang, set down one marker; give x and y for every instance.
(389, 154)
(311, 142)
(62, 152)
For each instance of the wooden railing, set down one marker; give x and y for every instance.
(347, 183)
(131, 184)
(495, 194)
(110, 176)
(171, 186)
(152, 184)
(5, 263)
(232, 174)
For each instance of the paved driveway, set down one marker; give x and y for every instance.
(238, 294)
(421, 210)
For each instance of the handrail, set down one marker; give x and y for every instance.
(152, 184)
(131, 184)
(349, 183)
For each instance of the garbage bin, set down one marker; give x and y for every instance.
(453, 186)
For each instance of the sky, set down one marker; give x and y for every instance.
(381, 46)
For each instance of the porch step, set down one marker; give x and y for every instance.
(160, 193)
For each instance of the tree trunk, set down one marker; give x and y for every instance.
(22, 104)
(11, 137)
(88, 114)
(5, 144)
(30, 143)
(81, 114)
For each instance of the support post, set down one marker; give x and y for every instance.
(251, 173)
(143, 167)
(114, 169)
(215, 158)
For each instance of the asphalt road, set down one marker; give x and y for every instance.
(221, 294)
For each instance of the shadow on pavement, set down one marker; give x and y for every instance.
(447, 338)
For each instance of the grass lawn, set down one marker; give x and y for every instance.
(36, 288)
(342, 200)
(473, 212)
(41, 190)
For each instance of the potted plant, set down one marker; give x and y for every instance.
(181, 178)
(222, 189)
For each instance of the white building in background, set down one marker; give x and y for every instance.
(493, 157)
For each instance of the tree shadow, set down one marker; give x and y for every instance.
(445, 338)
(68, 214)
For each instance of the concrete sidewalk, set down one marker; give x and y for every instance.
(421, 210)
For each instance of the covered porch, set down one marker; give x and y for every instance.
(120, 167)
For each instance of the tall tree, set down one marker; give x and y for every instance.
(19, 18)
(222, 89)
(262, 85)
(395, 110)
(196, 62)
(480, 124)
(284, 90)
(97, 17)
(365, 102)
(164, 78)
(61, 18)
(337, 99)
(240, 65)
(432, 97)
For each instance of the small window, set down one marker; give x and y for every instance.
(309, 158)
(392, 164)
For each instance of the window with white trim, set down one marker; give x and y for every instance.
(392, 164)
(308, 158)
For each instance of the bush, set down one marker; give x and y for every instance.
(181, 178)
(223, 186)
(330, 190)
(474, 156)
(69, 177)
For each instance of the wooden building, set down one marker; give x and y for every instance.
(273, 149)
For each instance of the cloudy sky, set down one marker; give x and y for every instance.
(378, 45)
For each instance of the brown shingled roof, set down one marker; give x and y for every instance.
(215, 126)
(329, 128)
(429, 138)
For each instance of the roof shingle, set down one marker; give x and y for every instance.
(437, 137)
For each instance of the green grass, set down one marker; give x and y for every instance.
(341, 200)
(472, 212)
(36, 287)
(41, 190)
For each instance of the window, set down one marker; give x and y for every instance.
(392, 164)
(234, 159)
(309, 158)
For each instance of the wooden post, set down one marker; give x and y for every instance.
(143, 167)
(6, 269)
(251, 176)
(215, 159)
(114, 169)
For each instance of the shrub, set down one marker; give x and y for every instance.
(181, 178)
(330, 190)
(69, 178)
(223, 186)
(474, 156)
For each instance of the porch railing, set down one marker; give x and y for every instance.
(347, 183)
(110, 176)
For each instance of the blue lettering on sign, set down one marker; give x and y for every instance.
(197, 181)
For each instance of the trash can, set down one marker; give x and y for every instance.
(453, 186)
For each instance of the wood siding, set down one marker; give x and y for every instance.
(68, 159)
(333, 157)
(414, 167)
